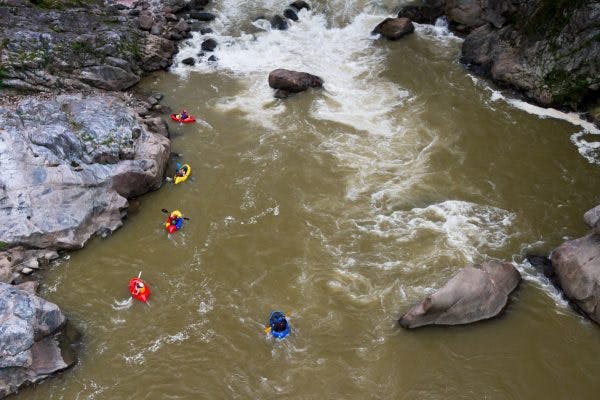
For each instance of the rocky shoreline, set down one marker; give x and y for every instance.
(548, 52)
(74, 147)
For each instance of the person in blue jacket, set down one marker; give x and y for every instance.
(279, 325)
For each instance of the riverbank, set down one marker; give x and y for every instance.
(74, 147)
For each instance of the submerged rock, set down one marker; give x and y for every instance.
(278, 22)
(292, 81)
(299, 5)
(394, 28)
(209, 45)
(473, 294)
(28, 339)
(69, 165)
(577, 267)
(188, 61)
(290, 14)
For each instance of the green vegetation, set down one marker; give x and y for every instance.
(130, 48)
(62, 4)
(3, 245)
(565, 88)
(549, 18)
(2, 76)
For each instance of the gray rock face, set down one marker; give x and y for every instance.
(83, 44)
(394, 28)
(473, 294)
(108, 77)
(293, 81)
(28, 347)
(577, 266)
(592, 219)
(550, 53)
(69, 166)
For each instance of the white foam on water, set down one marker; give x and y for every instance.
(590, 150)
(440, 31)
(122, 304)
(354, 94)
(466, 228)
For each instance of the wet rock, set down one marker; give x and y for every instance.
(212, 59)
(473, 294)
(28, 343)
(116, 158)
(199, 4)
(156, 29)
(548, 54)
(158, 126)
(290, 14)
(293, 81)
(278, 22)
(542, 264)
(209, 45)
(592, 219)
(202, 16)
(204, 31)
(299, 5)
(426, 13)
(394, 28)
(188, 61)
(145, 21)
(577, 266)
(108, 77)
(282, 94)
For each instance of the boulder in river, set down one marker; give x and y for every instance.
(202, 16)
(290, 14)
(394, 28)
(209, 45)
(425, 13)
(475, 293)
(28, 338)
(278, 22)
(577, 267)
(188, 61)
(299, 5)
(292, 81)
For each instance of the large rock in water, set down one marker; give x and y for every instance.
(293, 81)
(28, 345)
(473, 294)
(394, 28)
(68, 166)
(577, 266)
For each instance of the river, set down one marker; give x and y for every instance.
(341, 207)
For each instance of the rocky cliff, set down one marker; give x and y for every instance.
(74, 45)
(547, 50)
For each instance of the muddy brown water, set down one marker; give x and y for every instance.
(341, 207)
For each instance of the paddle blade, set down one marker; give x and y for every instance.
(268, 329)
(165, 210)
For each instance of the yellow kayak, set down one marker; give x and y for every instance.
(188, 171)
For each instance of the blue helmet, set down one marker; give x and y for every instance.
(277, 321)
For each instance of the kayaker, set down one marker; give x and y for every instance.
(180, 172)
(183, 115)
(278, 322)
(140, 288)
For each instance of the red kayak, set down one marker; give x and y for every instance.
(139, 290)
(177, 118)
